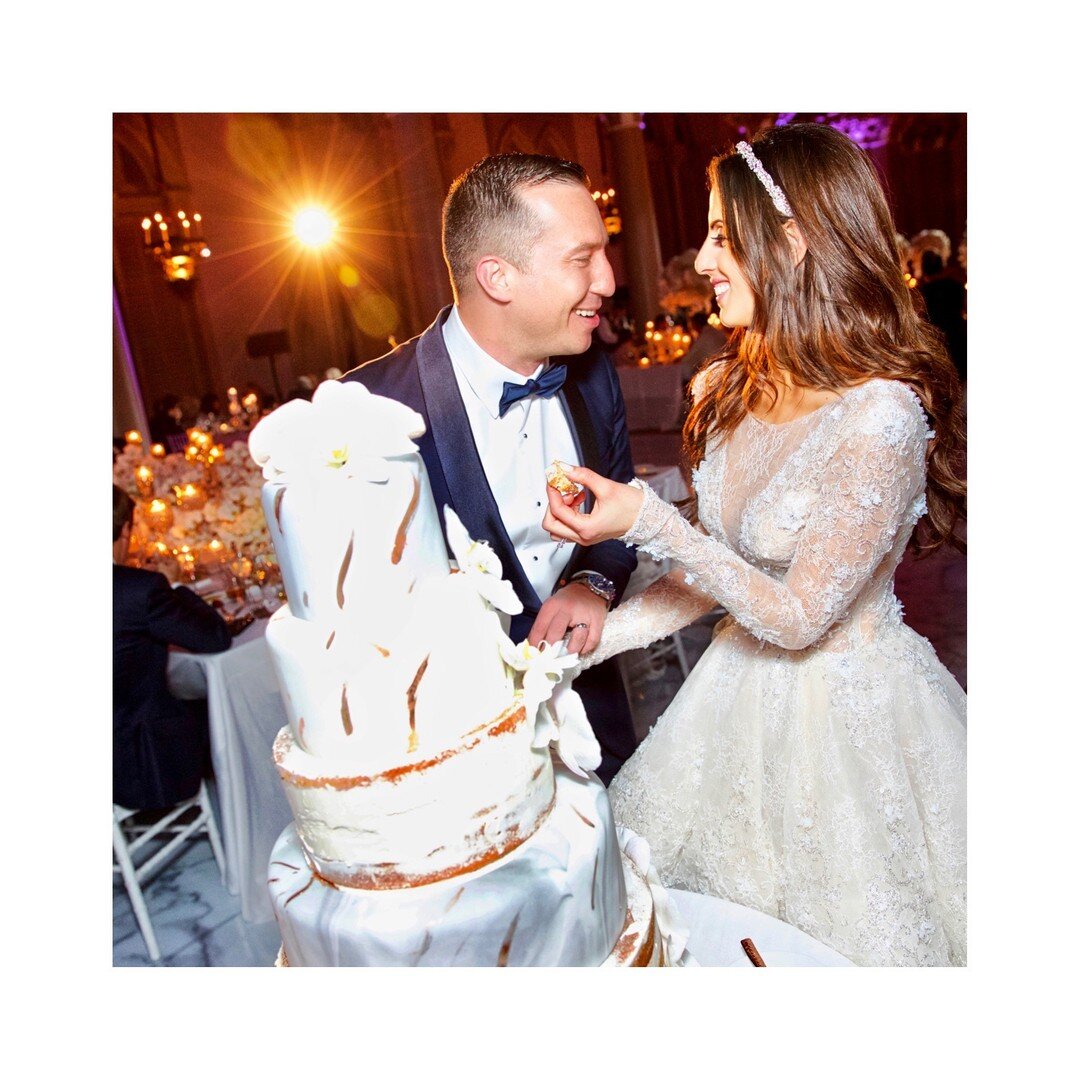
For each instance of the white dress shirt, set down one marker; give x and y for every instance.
(515, 450)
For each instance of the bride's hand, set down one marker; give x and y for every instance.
(615, 506)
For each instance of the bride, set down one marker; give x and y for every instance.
(812, 766)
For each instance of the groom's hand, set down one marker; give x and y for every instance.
(563, 612)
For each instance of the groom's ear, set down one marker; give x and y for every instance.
(496, 277)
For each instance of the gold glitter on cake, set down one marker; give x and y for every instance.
(343, 571)
(410, 698)
(346, 717)
(399, 542)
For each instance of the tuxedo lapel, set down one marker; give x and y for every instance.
(466, 483)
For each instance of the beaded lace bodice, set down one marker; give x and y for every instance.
(802, 527)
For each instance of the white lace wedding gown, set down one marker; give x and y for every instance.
(812, 766)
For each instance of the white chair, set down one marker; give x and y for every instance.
(129, 837)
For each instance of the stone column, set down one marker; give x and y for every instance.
(421, 188)
(640, 237)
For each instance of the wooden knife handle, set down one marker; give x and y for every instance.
(751, 950)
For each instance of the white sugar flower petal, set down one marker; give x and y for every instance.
(481, 565)
(343, 427)
(577, 745)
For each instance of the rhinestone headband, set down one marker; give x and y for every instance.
(779, 199)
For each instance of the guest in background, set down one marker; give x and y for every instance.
(166, 419)
(210, 409)
(945, 298)
(161, 745)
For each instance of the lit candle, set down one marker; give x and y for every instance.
(644, 362)
(157, 450)
(133, 438)
(146, 230)
(144, 478)
(160, 514)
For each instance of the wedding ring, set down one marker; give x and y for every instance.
(580, 626)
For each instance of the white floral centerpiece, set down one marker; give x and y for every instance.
(231, 513)
(683, 291)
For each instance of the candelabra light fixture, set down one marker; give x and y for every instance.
(176, 240)
(609, 210)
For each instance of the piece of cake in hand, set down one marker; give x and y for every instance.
(557, 479)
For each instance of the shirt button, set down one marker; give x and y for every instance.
(538, 503)
(536, 558)
(526, 435)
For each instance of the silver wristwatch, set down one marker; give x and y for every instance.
(597, 583)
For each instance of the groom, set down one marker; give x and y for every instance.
(507, 382)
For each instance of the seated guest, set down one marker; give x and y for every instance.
(167, 418)
(161, 745)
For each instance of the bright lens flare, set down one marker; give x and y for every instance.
(314, 227)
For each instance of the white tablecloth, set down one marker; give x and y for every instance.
(717, 926)
(246, 712)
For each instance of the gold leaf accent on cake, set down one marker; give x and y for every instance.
(299, 891)
(504, 951)
(457, 897)
(410, 699)
(271, 881)
(307, 603)
(344, 570)
(287, 865)
(591, 824)
(300, 734)
(346, 717)
(277, 509)
(424, 946)
(595, 869)
(399, 541)
(385, 652)
(330, 639)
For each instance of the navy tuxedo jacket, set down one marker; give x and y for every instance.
(420, 374)
(160, 747)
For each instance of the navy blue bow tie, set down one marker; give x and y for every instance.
(546, 386)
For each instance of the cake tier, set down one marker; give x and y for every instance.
(372, 702)
(420, 822)
(351, 549)
(559, 899)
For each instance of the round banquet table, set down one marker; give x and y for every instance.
(718, 926)
(246, 713)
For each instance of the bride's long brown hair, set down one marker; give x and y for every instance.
(842, 315)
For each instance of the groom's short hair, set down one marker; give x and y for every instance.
(483, 215)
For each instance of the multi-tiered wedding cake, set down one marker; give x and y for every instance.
(431, 824)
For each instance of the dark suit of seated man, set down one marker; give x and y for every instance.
(161, 745)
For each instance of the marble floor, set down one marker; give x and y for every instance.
(198, 924)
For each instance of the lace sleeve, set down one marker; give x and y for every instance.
(665, 606)
(867, 494)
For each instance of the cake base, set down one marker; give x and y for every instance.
(557, 900)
